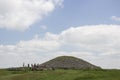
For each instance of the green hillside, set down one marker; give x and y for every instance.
(61, 74)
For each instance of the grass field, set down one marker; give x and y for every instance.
(61, 75)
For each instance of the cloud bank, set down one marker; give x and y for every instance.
(98, 44)
(21, 14)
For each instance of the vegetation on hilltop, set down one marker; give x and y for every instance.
(69, 62)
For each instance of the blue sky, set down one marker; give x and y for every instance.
(43, 27)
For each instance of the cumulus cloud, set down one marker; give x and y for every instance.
(21, 14)
(32, 51)
(99, 44)
(115, 18)
(44, 27)
(99, 38)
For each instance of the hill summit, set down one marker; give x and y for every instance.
(69, 62)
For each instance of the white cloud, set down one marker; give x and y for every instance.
(99, 44)
(115, 18)
(44, 27)
(100, 38)
(21, 14)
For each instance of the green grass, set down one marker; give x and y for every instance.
(60, 74)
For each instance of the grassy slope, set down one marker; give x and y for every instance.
(61, 75)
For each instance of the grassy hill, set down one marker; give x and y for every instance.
(61, 74)
(65, 68)
(69, 62)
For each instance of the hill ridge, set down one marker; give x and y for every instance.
(69, 62)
